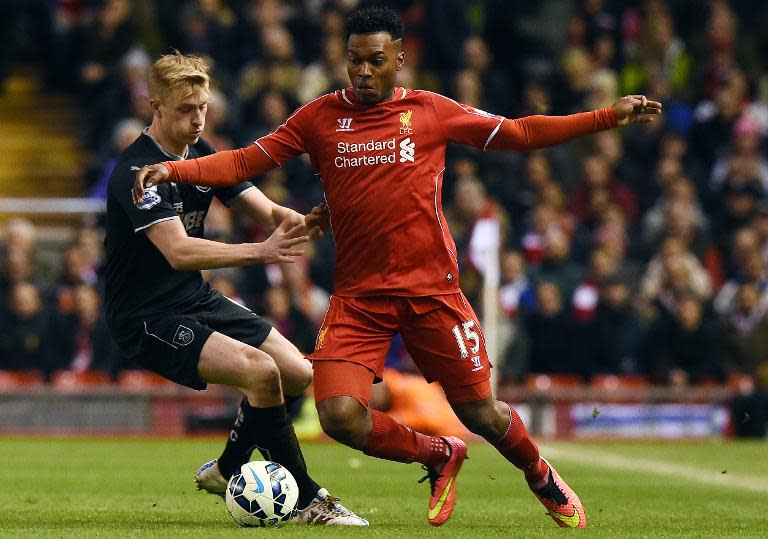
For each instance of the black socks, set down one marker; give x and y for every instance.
(270, 431)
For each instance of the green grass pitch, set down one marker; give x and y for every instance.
(143, 488)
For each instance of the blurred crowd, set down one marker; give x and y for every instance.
(641, 251)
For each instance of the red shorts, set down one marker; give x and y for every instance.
(441, 333)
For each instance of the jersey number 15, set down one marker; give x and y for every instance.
(472, 338)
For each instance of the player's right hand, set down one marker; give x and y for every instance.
(636, 108)
(281, 245)
(146, 177)
(319, 220)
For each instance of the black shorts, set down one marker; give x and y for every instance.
(171, 344)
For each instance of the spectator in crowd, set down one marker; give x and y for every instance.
(262, 112)
(24, 330)
(743, 243)
(748, 322)
(17, 256)
(90, 241)
(123, 135)
(125, 95)
(556, 266)
(472, 205)
(661, 52)
(310, 299)
(687, 346)
(714, 120)
(613, 234)
(110, 36)
(217, 127)
(600, 188)
(478, 63)
(281, 313)
(738, 204)
(542, 222)
(677, 212)
(754, 269)
(538, 174)
(276, 68)
(602, 265)
(552, 334)
(611, 341)
(326, 74)
(20, 235)
(748, 325)
(744, 158)
(517, 296)
(75, 270)
(209, 28)
(516, 291)
(81, 337)
(19, 268)
(671, 274)
(760, 226)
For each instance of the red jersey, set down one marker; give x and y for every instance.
(382, 170)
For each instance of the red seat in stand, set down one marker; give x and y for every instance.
(11, 380)
(79, 381)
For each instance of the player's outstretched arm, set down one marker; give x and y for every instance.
(185, 253)
(216, 170)
(534, 132)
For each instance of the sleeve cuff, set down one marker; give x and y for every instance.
(173, 174)
(607, 117)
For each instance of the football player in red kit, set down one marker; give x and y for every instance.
(379, 150)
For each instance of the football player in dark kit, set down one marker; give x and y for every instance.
(175, 323)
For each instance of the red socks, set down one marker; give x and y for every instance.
(392, 441)
(519, 449)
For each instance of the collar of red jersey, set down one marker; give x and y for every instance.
(348, 95)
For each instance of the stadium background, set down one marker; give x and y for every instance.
(634, 263)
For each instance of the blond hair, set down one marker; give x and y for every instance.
(178, 75)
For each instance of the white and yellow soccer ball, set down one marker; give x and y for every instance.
(262, 493)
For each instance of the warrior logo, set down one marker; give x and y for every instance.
(345, 125)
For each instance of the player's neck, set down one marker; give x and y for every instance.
(165, 142)
(389, 97)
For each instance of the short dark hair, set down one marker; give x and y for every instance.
(372, 20)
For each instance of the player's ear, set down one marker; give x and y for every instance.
(155, 104)
(400, 62)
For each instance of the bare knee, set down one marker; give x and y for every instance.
(487, 418)
(345, 420)
(295, 369)
(261, 379)
(298, 378)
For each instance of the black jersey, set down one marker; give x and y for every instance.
(140, 283)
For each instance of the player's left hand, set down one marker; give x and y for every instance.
(146, 177)
(318, 221)
(636, 108)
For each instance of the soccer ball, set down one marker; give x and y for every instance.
(262, 493)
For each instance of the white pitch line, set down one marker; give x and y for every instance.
(666, 468)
